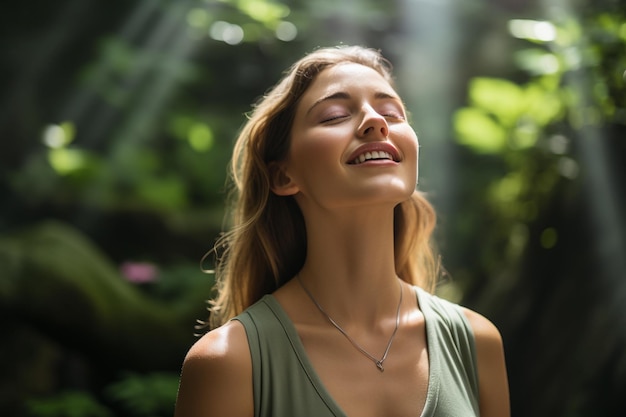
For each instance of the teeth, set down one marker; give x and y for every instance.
(372, 155)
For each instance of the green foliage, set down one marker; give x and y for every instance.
(505, 116)
(265, 11)
(176, 283)
(151, 395)
(567, 87)
(67, 404)
(108, 316)
(152, 118)
(523, 132)
(476, 129)
(136, 395)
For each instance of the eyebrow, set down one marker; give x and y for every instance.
(341, 95)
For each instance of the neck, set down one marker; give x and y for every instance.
(350, 265)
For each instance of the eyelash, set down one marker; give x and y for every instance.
(397, 116)
(333, 118)
(394, 116)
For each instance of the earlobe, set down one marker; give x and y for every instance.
(280, 181)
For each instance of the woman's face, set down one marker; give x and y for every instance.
(350, 142)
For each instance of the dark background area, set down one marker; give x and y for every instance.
(116, 124)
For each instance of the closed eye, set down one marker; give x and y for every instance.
(336, 118)
(394, 115)
(390, 109)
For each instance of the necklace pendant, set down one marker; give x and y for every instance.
(379, 362)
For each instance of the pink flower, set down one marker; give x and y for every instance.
(139, 272)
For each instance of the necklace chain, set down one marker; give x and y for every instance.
(377, 362)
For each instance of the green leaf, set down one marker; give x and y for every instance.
(168, 192)
(146, 395)
(200, 137)
(537, 61)
(501, 98)
(265, 11)
(67, 404)
(479, 131)
(542, 106)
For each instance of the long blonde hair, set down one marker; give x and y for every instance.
(266, 244)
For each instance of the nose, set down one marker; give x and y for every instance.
(373, 124)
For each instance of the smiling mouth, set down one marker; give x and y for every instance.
(372, 156)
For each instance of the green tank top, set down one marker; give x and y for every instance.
(286, 385)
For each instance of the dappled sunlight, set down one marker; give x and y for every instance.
(542, 31)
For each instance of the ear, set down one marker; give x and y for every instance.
(281, 182)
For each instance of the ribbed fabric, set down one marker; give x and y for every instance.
(286, 385)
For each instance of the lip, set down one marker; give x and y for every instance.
(375, 146)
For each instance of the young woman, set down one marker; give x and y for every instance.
(323, 304)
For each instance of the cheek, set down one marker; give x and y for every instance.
(318, 147)
(410, 146)
(313, 148)
(310, 158)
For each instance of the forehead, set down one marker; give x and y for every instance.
(346, 77)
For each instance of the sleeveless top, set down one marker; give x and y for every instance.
(285, 383)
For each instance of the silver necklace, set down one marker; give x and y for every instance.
(377, 362)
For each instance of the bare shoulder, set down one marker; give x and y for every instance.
(216, 378)
(492, 375)
(486, 333)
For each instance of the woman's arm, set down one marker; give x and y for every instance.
(216, 379)
(492, 377)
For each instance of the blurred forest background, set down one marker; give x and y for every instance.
(116, 123)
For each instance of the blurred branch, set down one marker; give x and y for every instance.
(55, 279)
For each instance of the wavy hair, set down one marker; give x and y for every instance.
(266, 244)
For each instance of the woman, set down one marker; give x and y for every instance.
(323, 306)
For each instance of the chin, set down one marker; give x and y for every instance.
(390, 197)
